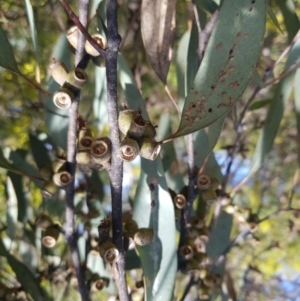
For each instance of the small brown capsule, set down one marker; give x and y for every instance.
(43, 221)
(46, 172)
(77, 78)
(101, 283)
(59, 72)
(72, 36)
(150, 130)
(83, 157)
(109, 252)
(131, 227)
(62, 178)
(48, 189)
(85, 139)
(139, 284)
(209, 196)
(201, 243)
(129, 149)
(203, 182)
(63, 98)
(180, 201)
(100, 40)
(125, 119)
(192, 266)
(51, 235)
(144, 236)
(187, 252)
(101, 150)
(149, 148)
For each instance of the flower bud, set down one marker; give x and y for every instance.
(101, 150)
(51, 235)
(63, 98)
(144, 236)
(59, 72)
(100, 40)
(129, 149)
(72, 36)
(109, 252)
(59, 164)
(77, 78)
(83, 157)
(149, 148)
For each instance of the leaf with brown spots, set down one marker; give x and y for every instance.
(158, 29)
(227, 67)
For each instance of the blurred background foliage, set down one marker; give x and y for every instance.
(262, 264)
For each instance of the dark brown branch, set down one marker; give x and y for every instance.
(81, 28)
(70, 226)
(116, 171)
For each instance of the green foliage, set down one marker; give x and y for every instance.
(244, 126)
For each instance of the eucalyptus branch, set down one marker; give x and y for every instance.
(70, 226)
(82, 28)
(116, 171)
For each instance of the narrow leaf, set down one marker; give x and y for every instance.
(275, 113)
(228, 64)
(39, 151)
(54, 115)
(273, 17)
(33, 33)
(7, 58)
(208, 6)
(100, 99)
(25, 276)
(12, 209)
(154, 208)
(158, 29)
(259, 104)
(17, 182)
(291, 20)
(297, 108)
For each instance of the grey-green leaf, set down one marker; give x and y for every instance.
(275, 113)
(158, 30)
(228, 64)
(7, 58)
(24, 276)
(297, 106)
(154, 208)
(33, 32)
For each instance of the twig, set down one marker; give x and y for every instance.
(116, 171)
(34, 85)
(191, 282)
(70, 227)
(172, 99)
(82, 29)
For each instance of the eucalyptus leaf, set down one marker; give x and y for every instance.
(153, 207)
(158, 30)
(7, 58)
(54, 115)
(12, 209)
(227, 66)
(290, 17)
(25, 276)
(297, 107)
(33, 33)
(275, 113)
(273, 17)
